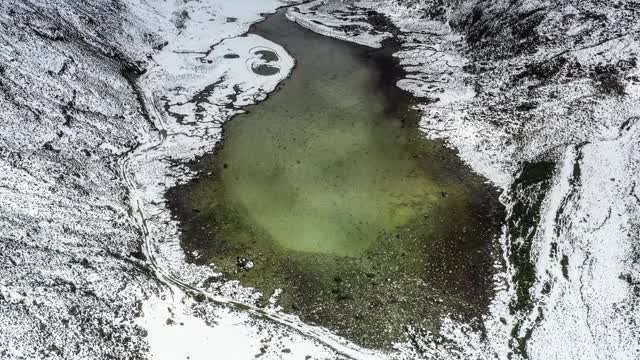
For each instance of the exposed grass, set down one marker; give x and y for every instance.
(528, 192)
(564, 262)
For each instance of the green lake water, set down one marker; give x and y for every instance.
(329, 188)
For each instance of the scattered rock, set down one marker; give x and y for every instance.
(244, 264)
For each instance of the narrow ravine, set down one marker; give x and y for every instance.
(329, 191)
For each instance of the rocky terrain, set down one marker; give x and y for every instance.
(103, 103)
